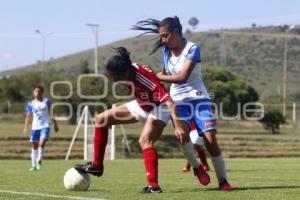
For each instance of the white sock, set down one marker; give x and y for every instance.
(40, 154)
(219, 165)
(189, 152)
(34, 155)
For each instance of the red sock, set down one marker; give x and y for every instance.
(151, 166)
(100, 141)
(202, 156)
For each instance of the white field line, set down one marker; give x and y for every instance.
(48, 195)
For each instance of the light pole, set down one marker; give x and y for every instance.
(285, 70)
(44, 36)
(94, 28)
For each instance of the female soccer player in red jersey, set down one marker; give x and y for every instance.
(151, 100)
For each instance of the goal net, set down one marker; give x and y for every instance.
(86, 125)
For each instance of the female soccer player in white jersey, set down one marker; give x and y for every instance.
(181, 67)
(38, 111)
(151, 100)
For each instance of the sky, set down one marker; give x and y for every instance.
(64, 22)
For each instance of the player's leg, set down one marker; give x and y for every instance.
(34, 139)
(203, 159)
(198, 143)
(217, 159)
(206, 124)
(151, 133)
(186, 167)
(186, 113)
(117, 115)
(202, 156)
(41, 149)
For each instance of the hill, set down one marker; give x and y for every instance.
(257, 54)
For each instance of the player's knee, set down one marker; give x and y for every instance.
(213, 149)
(145, 142)
(100, 120)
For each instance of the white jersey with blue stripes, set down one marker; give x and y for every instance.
(194, 87)
(40, 112)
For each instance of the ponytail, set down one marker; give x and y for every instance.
(120, 63)
(153, 25)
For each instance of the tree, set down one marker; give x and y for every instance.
(84, 67)
(228, 89)
(193, 22)
(272, 120)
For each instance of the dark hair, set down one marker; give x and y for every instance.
(38, 87)
(153, 25)
(119, 64)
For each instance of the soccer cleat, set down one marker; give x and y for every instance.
(33, 168)
(151, 189)
(39, 165)
(202, 176)
(89, 168)
(225, 186)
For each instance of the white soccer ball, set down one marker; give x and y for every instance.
(74, 180)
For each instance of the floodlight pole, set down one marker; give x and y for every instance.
(44, 37)
(94, 28)
(285, 71)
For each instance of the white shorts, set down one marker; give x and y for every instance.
(160, 112)
(195, 138)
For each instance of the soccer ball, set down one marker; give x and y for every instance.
(74, 180)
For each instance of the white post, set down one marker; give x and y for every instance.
(112, 146)
(112, 137)
(285, 71)
(284, 77)
(294, 112)
(95, 33)
(74, 137)
(86, 110)
(44, 37)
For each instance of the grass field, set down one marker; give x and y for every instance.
(123, 179)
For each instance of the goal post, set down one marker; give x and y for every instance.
(86, 121)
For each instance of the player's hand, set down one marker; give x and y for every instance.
(181, 134)
(147, 67)
(158, 75)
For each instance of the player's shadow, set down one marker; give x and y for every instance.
(236, 188)
(261, 187)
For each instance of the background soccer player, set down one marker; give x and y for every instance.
(38, 110)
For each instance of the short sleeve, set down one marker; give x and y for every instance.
(48, 102)
(28, 107)
(194, 54)
(165, 59)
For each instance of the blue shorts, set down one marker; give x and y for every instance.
(40, 135)
(200, 111)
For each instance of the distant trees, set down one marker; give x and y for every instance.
(84, 67)
(228, 89)
(253, 25)
(272, 120)
(193, 22)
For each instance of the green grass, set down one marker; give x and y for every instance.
(251, 178)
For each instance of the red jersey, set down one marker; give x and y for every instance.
(147, 89)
